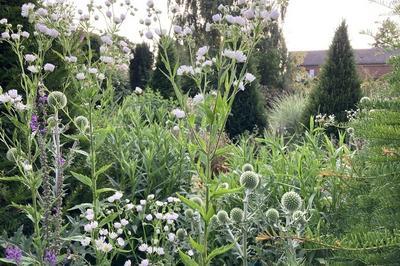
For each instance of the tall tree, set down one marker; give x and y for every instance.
(339, 86)
(141, 66)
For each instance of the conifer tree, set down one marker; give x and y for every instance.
(248, 113)
(141, 66)
(338, 88)
(159, 81)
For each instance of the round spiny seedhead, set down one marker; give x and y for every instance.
(57, 100)
(197, 200)
(181, 234)
(249, 180)
(350, 130)
(12, 154)
(214, 221)
(247, 167)
(223, 217)
(189, 213)
(291, 201)
(237, 215)
(272, 216)
(299, 217)
(81, 122)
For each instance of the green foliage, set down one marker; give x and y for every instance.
(339, 87)
(159, 82)
(141, 66)
(248, 113)
(286, 114)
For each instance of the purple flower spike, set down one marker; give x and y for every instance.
(14, 253)
(50, 257)
(43, 99)
(34, 124)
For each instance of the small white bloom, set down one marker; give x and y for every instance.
(103, 232)
(15, 36)
(124, 222)
(89, 214)
(178, 113)
(171, 237)
(142, 202)
(149, 35)
(80, 76)
(107, 247)
(113, 235)
(139, 208)
(198, 98)
(27, 166)
(30, 58)
(25, 34)
(120, 242)
(129, 206)
(185, 70)
(33, 69)
(90, 226)
(274, 15)
(159, 203)
(71, 59)
(177, 29)
(249, 77)
(106, 39)
(158, 216)
(190, 253)
(3, 21)
(42, 12)
(149, 217)
(128, 263)
(5, 35)
(143, 247)
(145, 262)
(85, 242)
(202, 52)
(150, 197)
(217, 17)
(138, 90)
(49, 67)
(160, 251)
(106, 59)
(117, 225)
(93, 70)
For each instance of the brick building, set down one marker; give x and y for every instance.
(371, 63)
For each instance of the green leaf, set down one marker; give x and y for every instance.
(12, 178)
(219, 251)
(210, 214)
(8, 261)
(200, 248)
(73, 238)
(193, 205)
(83, 179)
(222, 191)
(81, 206)
(103, 190)
(188, 261)
(108, 219)
(103, 169)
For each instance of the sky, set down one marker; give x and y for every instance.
(309, 24)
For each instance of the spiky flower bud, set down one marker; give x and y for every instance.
(197, 200)
(237, 215)
(299, 217)
(249, 180)
(272, 216)
(247, 167)
(291, 201)
(81, 122)
(189, 213)
(57, 100)
(181, 234)
(223, 217)
(12, 154)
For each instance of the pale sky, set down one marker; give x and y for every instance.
(309, 24)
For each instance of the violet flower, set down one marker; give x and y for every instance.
(50, 257)
(14, 253)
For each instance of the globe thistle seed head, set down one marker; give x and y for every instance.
(350, 130)
(299, 217)
(272, 216)
(247, 167)
(214, 221)
(81, 122)
(291, 201)
(12, 154)
(189, 213)
(223, 217)
(237, 215)
(57, 100)
(249, 180)
(181, 234)
(197, 200)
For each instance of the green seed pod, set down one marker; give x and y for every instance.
(237, 215)
(247, 167)
(299, 217)
(12, 155)
(81, 122)
(291, 201)
(189, 213)
(223, 217)
(197, 200)
(249, 180)
(181, 234)
(57, 100)
(272, 216)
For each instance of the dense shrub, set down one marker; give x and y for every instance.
(141, 66)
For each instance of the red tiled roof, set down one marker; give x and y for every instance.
(371, 56)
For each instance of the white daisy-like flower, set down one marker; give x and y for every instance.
(49, 67)
(143, 247)
(85, 242)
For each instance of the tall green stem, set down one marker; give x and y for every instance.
(245, 226)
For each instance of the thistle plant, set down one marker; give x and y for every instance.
(239, 28)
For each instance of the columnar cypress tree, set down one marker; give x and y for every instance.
(159, 81)
(141, 66)
(339, 86)
(248, 111)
